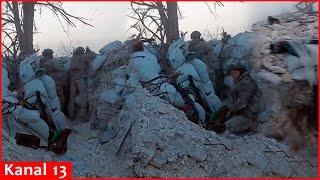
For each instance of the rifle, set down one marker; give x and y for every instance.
(194, 115)
(201, 99)
(46, 116)
(200, 95)
(57, 140)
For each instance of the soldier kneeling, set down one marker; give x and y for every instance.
(243, 105)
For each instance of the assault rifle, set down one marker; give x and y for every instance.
(190, 107)
(201, 99)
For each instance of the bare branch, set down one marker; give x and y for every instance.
(141, 19)
(57, 9)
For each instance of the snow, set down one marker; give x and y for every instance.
(241, 44)
(98, 62)
(303, 67)
(110, 96)
(293, 62)
(119, 78)
(110, 47)
(269, 77)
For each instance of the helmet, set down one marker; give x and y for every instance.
(195, 35)
(238, 65)
(47, 53)
(78, 51)
(138, 45)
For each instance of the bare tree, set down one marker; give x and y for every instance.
(18, 28)
(173, 25)
(156, 20)
(160, 21)
(18, 22)
(213, 8)
(307, 7)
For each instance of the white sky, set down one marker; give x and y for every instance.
(111, 22)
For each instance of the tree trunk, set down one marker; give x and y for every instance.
(18, 26)
(28, 15)
(163, 17)
(173, 25)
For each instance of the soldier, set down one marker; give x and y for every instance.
(225, 37)
(47, 53)
(79, 71)
(203, 51)
(54, 68)
(245, 101)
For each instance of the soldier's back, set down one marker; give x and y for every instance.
(200, 47)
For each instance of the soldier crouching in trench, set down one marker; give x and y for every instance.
(79, 72)
(244, 103)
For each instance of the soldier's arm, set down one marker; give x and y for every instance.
(245, 92)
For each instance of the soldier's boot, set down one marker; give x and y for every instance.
(72, 101)
(83, 94)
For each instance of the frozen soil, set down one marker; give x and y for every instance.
(161, 142)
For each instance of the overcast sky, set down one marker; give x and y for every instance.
(111, 22)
